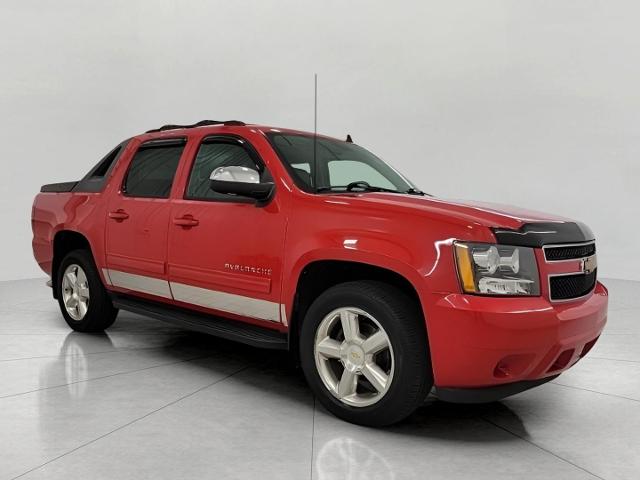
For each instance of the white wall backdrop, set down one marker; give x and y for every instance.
(534, 103)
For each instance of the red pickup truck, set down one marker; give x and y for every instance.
(289, 240)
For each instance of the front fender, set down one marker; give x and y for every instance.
(394, 260)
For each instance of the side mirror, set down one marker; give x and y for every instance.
(241, 181)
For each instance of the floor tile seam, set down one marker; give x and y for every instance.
(595, 391)
(541, 448)
(128, 372)
(121, 350)
(121, 427)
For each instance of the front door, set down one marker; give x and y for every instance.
(225, 252)
(138, 220)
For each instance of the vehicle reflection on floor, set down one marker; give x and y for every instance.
(341, 450)
(76, 362)
(147, 397)
(350, 459)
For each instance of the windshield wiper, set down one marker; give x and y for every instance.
(415, 191)
(358, 189)
(367, 188)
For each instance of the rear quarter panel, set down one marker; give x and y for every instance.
(79, 212)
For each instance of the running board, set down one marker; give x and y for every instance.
(220, 327)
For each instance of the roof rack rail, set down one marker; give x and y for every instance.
(201, 123)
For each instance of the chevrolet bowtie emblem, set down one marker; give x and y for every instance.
(589, 264)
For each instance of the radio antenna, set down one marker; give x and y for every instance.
(315, 130)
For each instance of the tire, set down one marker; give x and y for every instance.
(85, 304)
(326, 354)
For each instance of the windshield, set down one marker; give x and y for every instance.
(335, 166)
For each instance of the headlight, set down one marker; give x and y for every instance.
(497, 269)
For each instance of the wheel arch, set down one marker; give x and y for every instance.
(64, 242)
(319, 274)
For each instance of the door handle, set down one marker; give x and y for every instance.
(119, 215)
(186, 221)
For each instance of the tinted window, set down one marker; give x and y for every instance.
(95, 180)
(210, 156)
(105, 164)
(152, 170)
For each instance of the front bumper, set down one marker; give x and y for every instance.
(479, 341)
(488, 394)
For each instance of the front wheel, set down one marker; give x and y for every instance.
(83, 300)
(364, 352)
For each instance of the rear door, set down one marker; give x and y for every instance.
(138, 220)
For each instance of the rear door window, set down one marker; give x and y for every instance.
(153, 169)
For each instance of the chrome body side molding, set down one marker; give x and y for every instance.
(202, 297)
(107, 278)
(226, 302)
(139, 283)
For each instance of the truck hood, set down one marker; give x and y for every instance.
(509, 225)
(479, 213)
(499, 215)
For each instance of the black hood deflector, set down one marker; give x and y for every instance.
(539, 234)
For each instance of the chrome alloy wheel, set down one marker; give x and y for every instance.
(75, 291)
(354, 356)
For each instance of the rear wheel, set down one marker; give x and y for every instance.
(83, 300)
(364, 352)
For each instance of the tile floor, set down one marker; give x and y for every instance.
(148, 400)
